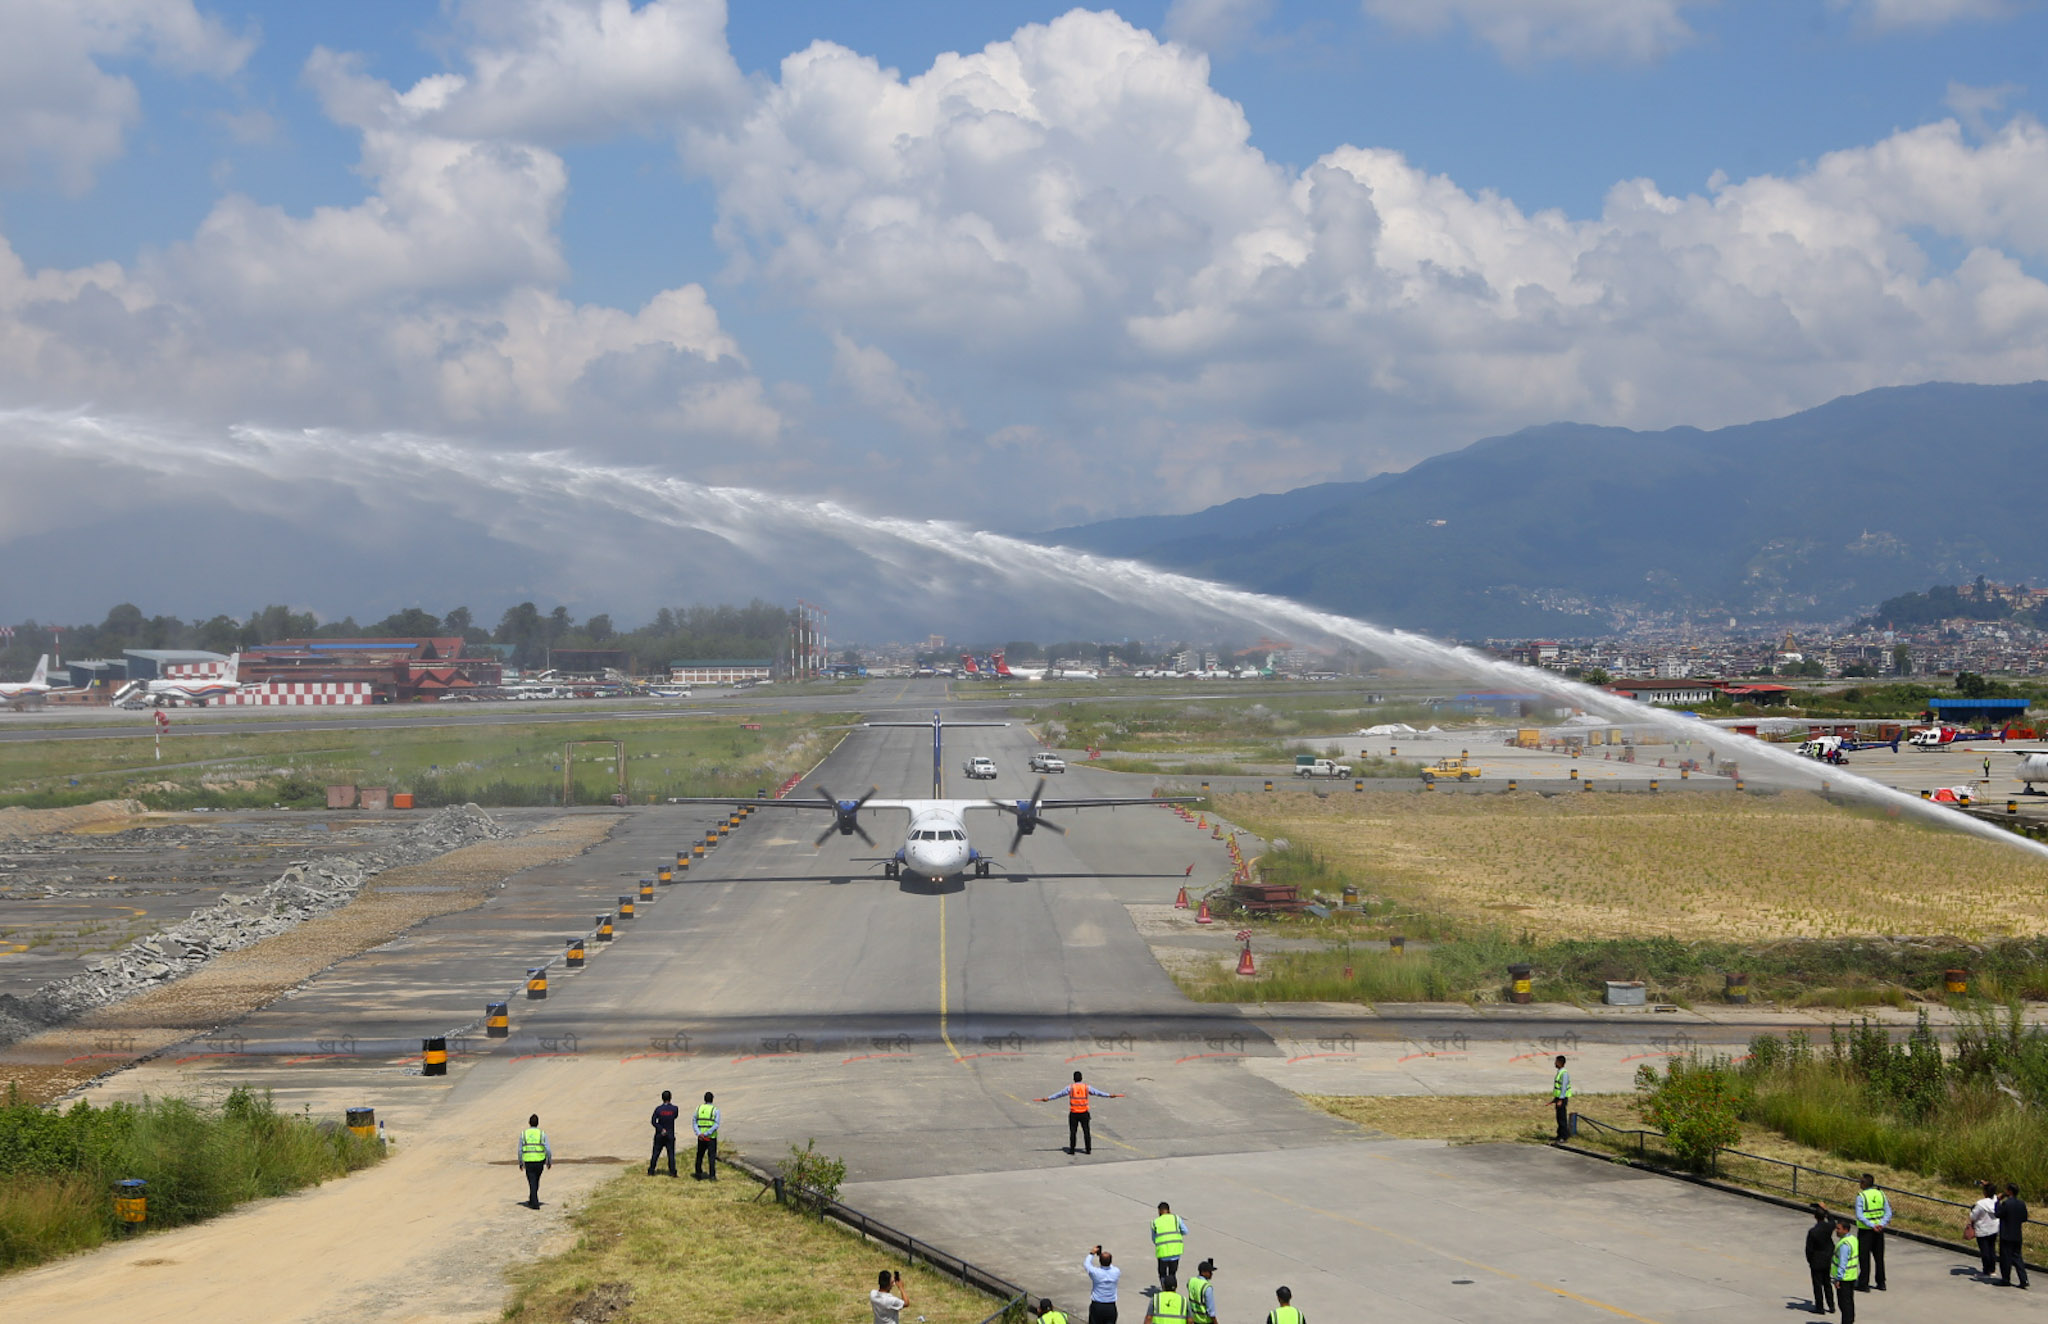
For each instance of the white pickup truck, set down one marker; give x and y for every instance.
(1321, 768)
(980, 768)
(1048, 763)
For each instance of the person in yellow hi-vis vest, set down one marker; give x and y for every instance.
(1873, 1216)
(1561, 1098)
(536, 1157)
(1169, 1239)
(1848, 1267)
(706, 1126)
(1168, 1305)
(1285, 1313)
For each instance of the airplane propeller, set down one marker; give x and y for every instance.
(845, 817)
(1027, 815)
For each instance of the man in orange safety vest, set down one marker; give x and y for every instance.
(1076, 1096)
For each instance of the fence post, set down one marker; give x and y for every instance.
(778, 1190)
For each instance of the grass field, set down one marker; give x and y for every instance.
(1263, 726)
(493, 765)
(686, 1250)
(1755, 867)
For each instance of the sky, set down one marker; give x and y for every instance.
(1013, 264)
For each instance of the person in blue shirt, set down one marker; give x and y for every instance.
(1102, 1276)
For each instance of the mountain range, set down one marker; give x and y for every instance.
(1574, 529)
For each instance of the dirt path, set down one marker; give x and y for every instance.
(417, 1239)
(236, 983)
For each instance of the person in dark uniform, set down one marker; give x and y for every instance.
(664, 1123)
(1820, 1255)
(2012, 1223)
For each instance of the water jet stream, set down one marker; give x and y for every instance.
(756, 522)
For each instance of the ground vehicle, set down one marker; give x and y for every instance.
(1456, 769)
(1307, 765)
(1048, 763)
(980, 768)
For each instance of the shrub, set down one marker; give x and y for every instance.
(1696, 1104)
(812, 1179)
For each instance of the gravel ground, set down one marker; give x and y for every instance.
(229, 984)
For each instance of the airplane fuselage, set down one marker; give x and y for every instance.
(936, 846)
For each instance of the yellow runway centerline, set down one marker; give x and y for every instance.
(944, 1036)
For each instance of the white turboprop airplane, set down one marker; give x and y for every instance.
(20, 693)
(936, 847)
(163, 693)
(2033, 766)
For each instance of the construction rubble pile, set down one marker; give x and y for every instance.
(307, 889)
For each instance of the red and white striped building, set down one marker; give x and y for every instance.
(301, 694)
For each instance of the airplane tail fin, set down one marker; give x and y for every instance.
(233, 674)
(967, 663)
(1002, 667)
(42, 672)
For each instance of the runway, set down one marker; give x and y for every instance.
(908, 1028)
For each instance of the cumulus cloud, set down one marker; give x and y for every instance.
(1896, 15)
(1075, 212)
(430, 303)
(1523, 30)
(557, 71)
(62, 114)
(881, 386)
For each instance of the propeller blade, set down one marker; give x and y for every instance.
(1038, 797)
(1017, 840)
(1051, 826)
(862, 833)
(830, 828)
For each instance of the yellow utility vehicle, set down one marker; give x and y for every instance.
(1457, 769)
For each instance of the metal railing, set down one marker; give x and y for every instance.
(1820, 1184)
(913, 1250)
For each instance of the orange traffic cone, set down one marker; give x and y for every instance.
(1202, 915)
(1202, 822)
(1216, 833)
(1181, 902)
(1244, 961)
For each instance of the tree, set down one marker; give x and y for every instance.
(599, 628)
(1902, 660)
(1596, 676)
(412, 623)
(222, 634)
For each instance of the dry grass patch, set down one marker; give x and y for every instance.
(682, 1250)
(1462, 1118)
(1692, 866)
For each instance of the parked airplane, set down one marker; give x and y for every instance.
(1007, 672)
(2033, 767)
(164, 693)
(936, 845)
(21, 693)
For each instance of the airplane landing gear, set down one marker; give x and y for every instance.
(981, 869)
(889, 869)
